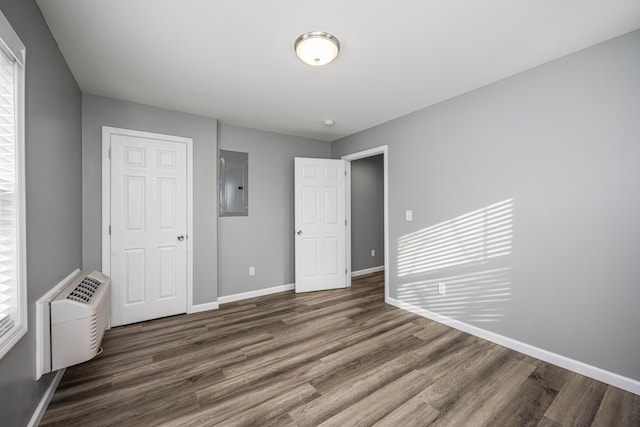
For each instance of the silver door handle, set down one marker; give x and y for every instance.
(299, 232)
(181, 237)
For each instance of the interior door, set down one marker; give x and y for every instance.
(319, 224)
(148, 228)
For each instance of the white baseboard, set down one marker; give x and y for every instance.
(46, 398)
(581, 368)
(203, 307)
(253, 294)
(367, 271)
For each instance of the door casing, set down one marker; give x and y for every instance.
(349, 158)
(107, 133)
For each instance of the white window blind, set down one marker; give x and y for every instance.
(13, 309)
(8, 217)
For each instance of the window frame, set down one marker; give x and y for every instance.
(13, 47)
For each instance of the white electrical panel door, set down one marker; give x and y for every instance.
(148, 228)
(319, 224)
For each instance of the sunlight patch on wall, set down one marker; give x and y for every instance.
(471, 297)
(472, 238)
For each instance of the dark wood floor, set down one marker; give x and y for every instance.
(334, 358)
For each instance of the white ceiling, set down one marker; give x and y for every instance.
(233, 60)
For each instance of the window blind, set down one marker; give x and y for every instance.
(8, 198)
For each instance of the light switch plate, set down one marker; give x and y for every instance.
(409, 215)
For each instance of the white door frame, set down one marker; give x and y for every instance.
(107, 132)
(356, 156)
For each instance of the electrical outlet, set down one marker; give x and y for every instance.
(252, 271)
(373, 252)
(442, 288)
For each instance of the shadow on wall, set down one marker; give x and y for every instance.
(468, 257)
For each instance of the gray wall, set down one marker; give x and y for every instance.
(561, 141)
(367, 212)
(263, 239)
(53, 196)
(99, 111)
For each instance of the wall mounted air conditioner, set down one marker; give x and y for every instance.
(71, 320)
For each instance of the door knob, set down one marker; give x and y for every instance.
(181, 237)
(299, 232)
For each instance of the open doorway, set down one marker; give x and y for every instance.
(367, 212)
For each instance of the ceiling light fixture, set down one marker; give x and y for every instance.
(328, 123)
(317, 47)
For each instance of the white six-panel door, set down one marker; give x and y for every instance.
(148, 228)
(319, 224)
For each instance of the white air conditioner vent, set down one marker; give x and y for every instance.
(85, 290)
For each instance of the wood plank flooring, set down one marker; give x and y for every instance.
(332, 358)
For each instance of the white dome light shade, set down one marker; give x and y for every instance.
(317, 48)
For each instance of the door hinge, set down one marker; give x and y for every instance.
(345, 271)
(345, 222)
(109, 152)
(109, 229)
